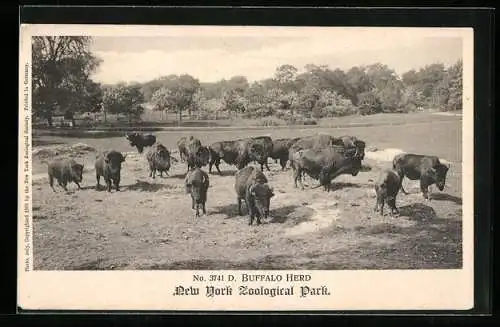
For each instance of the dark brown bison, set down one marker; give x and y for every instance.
(182, 145)
(428, 169)
(324, 164)
(260, 149)
(280, 150)
(109, 165)
(197, 155)
(231, 152)
(387, 187)
(158, 159)
(197, 183)
(65, 171)
(140, 141)
(252, 186)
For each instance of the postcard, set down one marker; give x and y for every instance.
(245, 168)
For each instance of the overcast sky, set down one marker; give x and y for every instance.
(213, 57)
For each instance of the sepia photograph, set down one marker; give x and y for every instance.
(247, 149)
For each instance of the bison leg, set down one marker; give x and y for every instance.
(64, 185)
(251, 217)
(211, 163)
(258, 220)
(298, 177)
(193, 203)
(382, 202)
(78, 184)
(267, 166)
(117, 185)
(283, 164)
(108, 184)
(197, 210)
(217, 163)
(392, 205)
(377, 201)
(425, 190)
(239, 206)
(97, 186)
(203, 208)
(51, 182)
(401, 186)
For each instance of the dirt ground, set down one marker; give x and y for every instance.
(149, 224)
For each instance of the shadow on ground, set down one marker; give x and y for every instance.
(145, 186)
(335, 186)
(231, 210)
(429, 242)
(446, 197)
(179, 176)
(223, 173)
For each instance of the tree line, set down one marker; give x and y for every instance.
(62, 69)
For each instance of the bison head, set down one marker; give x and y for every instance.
(197, 188)
(77, 172)
(114, 160)
(439, 174)
(202, 156)
(261, 193)
(256, 151)
(360, 149)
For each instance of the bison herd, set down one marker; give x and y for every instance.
(321, 157)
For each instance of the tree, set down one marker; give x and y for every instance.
(369, 103)
(123, 99)
(285, 76)
(177, 93)
(160, 100)
(455, 86)
(358, 82)
(61, 67)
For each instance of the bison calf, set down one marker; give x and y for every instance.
(387, 188)
(109, 165)
(197, 183)
(252, 186)
(158, 159)
(65, 171)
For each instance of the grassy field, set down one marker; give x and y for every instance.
(149, 224)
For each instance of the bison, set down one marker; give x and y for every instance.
(196, 154)
(109, 165)
(183, 143)
(197, 183)
(260, 149)
(65, 171)
(140, 141)
(280, 150)
(387, 188)
(232, 152)
(428, 169)
(324, 164)
(158, 159)
(252, 186)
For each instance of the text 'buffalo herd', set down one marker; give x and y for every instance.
(321, 157)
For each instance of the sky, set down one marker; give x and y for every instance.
(210, 57)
